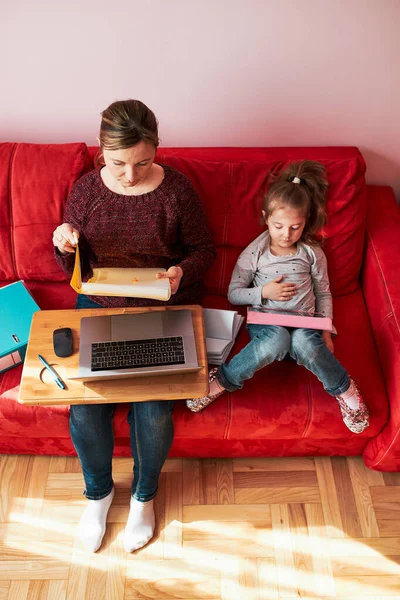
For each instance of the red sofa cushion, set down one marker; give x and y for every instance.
(29, 421)
(41, 177)
(51, 296)
(280, 389)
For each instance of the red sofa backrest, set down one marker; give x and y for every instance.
(35, 180)
(231, 183)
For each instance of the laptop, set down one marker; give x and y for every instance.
(137, 345)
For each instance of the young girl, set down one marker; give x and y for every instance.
(285, 268)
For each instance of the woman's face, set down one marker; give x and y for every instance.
(130, 166)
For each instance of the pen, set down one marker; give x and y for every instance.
(52, 372)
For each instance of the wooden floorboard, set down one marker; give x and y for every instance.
(227, 529)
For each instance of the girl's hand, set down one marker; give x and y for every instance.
(327, 337)
(275, 290)
(65, 238)
(174, 274)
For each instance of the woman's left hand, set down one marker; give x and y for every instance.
(174, 274)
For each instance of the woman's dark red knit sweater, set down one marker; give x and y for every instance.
(162, 228)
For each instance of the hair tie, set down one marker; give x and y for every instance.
(296, 180)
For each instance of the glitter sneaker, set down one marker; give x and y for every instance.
(198, 404)
(356, 419)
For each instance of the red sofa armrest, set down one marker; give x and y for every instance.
(381, 288)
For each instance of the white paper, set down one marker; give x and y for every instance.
(221, 328)
(219, 323)
(215, 346)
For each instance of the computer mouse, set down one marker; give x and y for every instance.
(62, 342)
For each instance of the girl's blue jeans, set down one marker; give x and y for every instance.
(151, 435)
(269, 343)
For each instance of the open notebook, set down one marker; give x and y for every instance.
(221, 328)
(131, 283)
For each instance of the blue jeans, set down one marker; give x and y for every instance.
(269, 343)
(151, 435)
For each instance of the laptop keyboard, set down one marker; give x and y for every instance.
(133, 354)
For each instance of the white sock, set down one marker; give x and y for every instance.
(140, 526)
(350, 397)
(92, 525)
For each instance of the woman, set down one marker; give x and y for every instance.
(131, 212)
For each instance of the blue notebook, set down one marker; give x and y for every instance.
(16, 309)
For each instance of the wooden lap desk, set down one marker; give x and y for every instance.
(38, 388)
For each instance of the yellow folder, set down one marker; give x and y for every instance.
(131, 283)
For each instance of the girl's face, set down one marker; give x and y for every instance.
(130, 166)
(285, 226)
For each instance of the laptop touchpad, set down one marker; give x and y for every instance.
(136, 327)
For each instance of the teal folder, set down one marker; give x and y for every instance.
(16, 310)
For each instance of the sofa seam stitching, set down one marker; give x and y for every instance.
(387, 449)
(310, 410)
(225, 229)
(229, 418)
(383, 279)
(387, 317)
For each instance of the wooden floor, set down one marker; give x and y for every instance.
(241, 529)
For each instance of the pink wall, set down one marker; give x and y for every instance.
(215, 72)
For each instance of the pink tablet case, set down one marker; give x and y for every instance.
(262, 316)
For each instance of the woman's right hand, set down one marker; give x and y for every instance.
(65, 238)
(275, 290)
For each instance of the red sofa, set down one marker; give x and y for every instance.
(283, 410)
